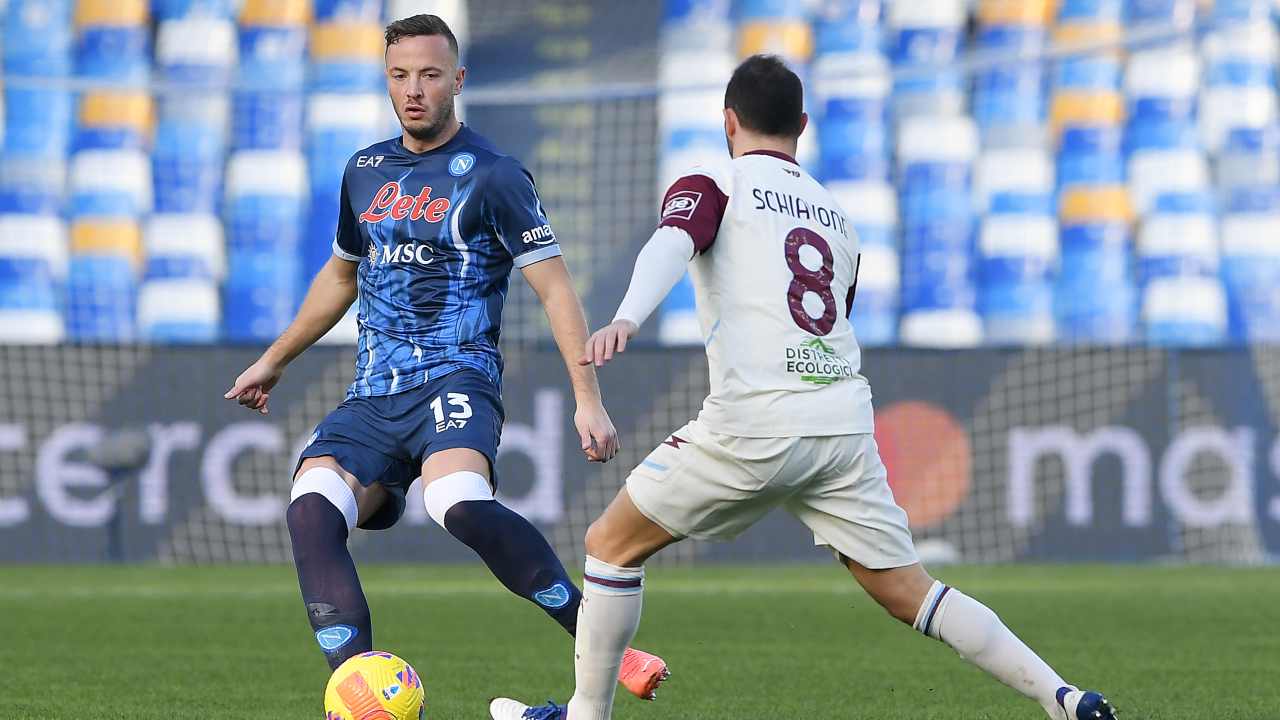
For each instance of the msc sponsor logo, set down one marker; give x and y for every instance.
(391, 202)
(461, 164)
(405, 253)
(538, 236)
(681, 204)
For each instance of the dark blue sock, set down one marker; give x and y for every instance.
(518, 555)
(335, 602)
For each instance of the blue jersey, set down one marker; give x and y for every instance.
(436, 236)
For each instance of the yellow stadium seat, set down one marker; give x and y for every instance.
(1106, 35)
(111, 12)
(107, 237)
(791, 40)
(117, 109)
(346, 41)
(1016, 12)
(1086, 108)
(1103, 203)
(275, 12)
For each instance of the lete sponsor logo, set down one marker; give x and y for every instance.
(390, 201)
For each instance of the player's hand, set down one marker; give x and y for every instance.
(599, 437)
(253, 388)
(606, 341)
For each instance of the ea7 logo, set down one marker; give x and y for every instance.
(538, 236)
(681, 204)
(369, 160)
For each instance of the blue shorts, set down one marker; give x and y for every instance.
(384, 439)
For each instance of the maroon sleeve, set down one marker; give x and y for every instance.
(696, 205)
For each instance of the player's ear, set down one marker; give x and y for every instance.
(458, 79)
(804, 122)
(730, 123)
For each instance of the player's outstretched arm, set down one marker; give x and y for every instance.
(331, 293)
(551, 281)
(659, 266)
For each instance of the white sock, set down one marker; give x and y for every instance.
(975, 632)
(607, 620)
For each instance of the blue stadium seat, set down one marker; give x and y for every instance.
(1177, 13)
(1152, 172)
(748, 10)
(1021, 170)
(185, 9)
(927, 35)
(1185, 311)
(847, 26)
(185, 246)
(322, 225)
(1253, 199)
(37, 122)
(853, 132)
(266, 120)
(347, 10)
(1015, 298)
(178, 311)
(1238, 10)
(695, 25)
(1239, 90)
(110, 183)
(187, 166)
(37, 37)
(337, 126)
(114, 120)
(872, 208)
(1079, 10)
(346, 56)
(1248, 158)
(1087, 72)
(258, 300)
(101, 292)
(1010, 95)
(33, 263)
(199, 51)
(1251, 274)
(875, 306)
(33, 186)
(1177, 245)
(113, 40)
(1095, 299)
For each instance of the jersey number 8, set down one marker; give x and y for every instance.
(804, 280)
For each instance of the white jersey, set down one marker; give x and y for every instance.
(774, 276)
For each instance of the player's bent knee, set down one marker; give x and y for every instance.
(449, 490)
(327, 483)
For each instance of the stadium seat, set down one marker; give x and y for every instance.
(851, 27)
(1090, 10)
(1013, 170)
(33, 264)
(875, 305)
(853, 131)
(178, 311)
(1104, 203)
(199, 51)
(1251, 275)
(184, 9)
(929, 35)
(185, 246)
(31, 327)
(1015, 296)
(1088, 73)
(790, 39)
(337, 126)
(112, 40)
(937, 139)
(1185, 311)
(347, 10)
(872, 208)
(110, 183)
(1177, 245)
(1162, 13)
(1010, 95)
(1152, 172)
(111, 120)
(346, 56)
(37, 123)
(1239, 10)
(1089, 155)
(946, 329)
(1101, 107)
(117, 237)
(101, 298)
(37, 37)
(1095, 298)
(30, 185)
(187, 164)
(267, 109)
(1249, 158)
(1037, 13)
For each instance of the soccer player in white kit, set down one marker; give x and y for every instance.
(789, 420)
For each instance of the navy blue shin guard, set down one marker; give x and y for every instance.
(518, 555)
(336, 605)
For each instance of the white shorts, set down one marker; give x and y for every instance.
(708, 486)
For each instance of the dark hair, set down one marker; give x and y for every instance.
(766, 96)
(420, 25)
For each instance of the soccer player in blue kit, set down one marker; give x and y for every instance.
(430, 226)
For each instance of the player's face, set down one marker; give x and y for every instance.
(422, 78)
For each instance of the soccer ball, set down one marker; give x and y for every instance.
(374, 686)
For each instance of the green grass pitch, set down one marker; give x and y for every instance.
(744, 643)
